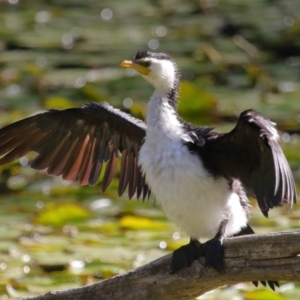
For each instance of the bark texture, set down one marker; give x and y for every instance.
(247, 258)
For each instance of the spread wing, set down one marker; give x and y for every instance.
(251, 153)
(78, 143)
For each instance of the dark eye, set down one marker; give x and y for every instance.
(145, 64)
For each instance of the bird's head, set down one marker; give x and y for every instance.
(158, 69)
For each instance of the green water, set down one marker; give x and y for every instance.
(233, 55)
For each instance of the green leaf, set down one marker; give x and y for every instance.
(58, 214)
(195, 104)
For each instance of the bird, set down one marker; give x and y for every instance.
(200, 178)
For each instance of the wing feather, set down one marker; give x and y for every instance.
(79, 143)
(110, 170)
(252, 154)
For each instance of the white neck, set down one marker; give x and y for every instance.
(162, 119)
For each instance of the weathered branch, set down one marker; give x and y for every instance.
(247, 258)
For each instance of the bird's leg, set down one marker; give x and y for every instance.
(213, 250)
(184, 256)
(248, 230)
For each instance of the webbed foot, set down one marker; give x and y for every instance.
(213, 252)
(184, 256)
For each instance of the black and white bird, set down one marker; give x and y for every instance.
(199, 177)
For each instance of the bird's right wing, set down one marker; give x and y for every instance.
(78, 143)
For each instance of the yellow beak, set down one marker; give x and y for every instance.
(133, 65)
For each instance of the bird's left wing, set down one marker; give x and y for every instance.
(252, 154)
(78, 143)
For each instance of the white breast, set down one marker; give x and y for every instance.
(191, 198)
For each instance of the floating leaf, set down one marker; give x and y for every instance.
(137, 223)
(264, 294)
(58, 214)
(58, 102)
(195, 103)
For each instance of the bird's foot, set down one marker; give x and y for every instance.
(213, 252)
(184, 256)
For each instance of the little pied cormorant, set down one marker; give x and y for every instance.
(199, 177)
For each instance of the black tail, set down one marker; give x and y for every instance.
(272, 284)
